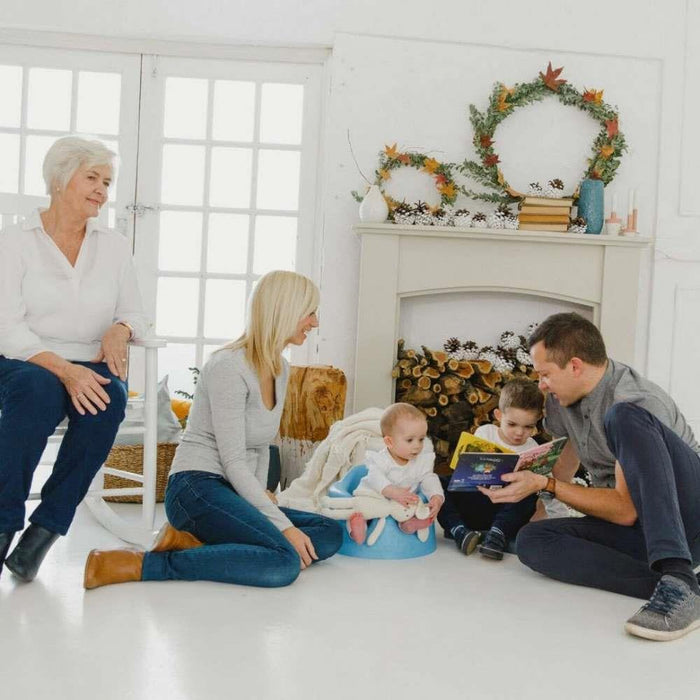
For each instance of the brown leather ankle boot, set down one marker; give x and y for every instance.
(112, 566)
(170, 539)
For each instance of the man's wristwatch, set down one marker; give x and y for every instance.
(549, 491)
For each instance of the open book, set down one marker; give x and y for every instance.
(478, 462)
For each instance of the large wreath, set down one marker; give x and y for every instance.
(606, 150)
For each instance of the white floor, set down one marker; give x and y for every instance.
(445, 626)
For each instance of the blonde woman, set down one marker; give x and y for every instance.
(69, 303)
(225, 526)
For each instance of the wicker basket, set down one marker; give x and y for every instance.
(130, 459)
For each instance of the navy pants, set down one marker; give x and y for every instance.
(663, 477)
(32, 403)
(242, 545)
(476, 512)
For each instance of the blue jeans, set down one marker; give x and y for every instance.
(32, 403)
(242, 545)
(663, 478)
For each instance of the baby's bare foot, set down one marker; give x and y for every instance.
(357, 527)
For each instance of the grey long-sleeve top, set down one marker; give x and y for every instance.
(229, 429)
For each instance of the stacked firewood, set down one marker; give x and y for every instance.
(455, 395)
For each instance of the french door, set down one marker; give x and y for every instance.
(226, 190)
(216, 178)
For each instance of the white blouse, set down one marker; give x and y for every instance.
(48, 305)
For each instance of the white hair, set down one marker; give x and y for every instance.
(69, 153)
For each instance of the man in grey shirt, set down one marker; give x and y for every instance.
(641, 533)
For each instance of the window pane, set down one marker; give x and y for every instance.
(176, 308)
(180, 241)
(275, 243)
(227, 243)
(174, 360)
(278, 180)
(99, 97)
(234, 111)
(11, 91)
(9, 163)
(225, 309)
(230, 177)
(183, 175)
(281, 111)
(113, 146)
(35, 151)
(185, 108)
(48, 102)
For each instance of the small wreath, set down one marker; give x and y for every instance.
(391, 159)
(607, 148)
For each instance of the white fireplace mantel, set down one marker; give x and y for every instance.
(600, 272)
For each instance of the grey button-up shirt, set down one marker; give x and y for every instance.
(582, 422)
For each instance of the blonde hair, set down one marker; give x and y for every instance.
(66, 155)
(395, 413)
(278, 302)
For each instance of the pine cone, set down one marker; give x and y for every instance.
(478, 220)
(403, 214)
(509, 341)
(461, 217)
(556, 184)
(470, 350)
(523, 357)
(452, 345)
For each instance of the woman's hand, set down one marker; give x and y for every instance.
(113, 350)
(302, 543)
(85, 388)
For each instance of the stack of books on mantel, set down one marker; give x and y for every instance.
(545, 213)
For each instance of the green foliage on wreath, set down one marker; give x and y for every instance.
(606, 150)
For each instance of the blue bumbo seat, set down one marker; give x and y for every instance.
(392, 543)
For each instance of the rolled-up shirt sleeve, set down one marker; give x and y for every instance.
(129, 307)
(17, 341)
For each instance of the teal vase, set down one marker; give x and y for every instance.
(591, 204)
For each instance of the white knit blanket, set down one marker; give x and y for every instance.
(343, 448)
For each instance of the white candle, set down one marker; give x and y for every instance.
(614, 204)
(630, 203)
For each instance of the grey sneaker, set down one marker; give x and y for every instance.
(672, 611)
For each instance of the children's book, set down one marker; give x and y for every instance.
(479, 462)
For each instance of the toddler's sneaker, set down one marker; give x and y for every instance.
(465, 539)
(672, 611)
(494, 544)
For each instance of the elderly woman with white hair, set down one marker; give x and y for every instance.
(69, 303)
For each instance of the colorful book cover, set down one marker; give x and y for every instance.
(484, 467)
(471, 443)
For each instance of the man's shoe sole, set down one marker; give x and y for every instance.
(659, 635)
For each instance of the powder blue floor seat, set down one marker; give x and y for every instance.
(392, 543)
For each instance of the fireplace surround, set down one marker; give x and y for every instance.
(396, 262)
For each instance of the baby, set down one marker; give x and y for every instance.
(399, 470)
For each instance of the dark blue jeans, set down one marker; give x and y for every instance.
(663, 477)
(32, 403)
(242, 545)
(476, 512)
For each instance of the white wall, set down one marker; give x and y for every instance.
(645, 54)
